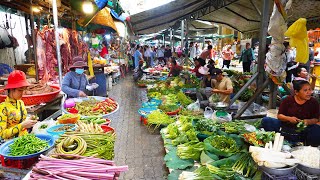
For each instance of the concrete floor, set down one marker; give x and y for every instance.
(135, 146)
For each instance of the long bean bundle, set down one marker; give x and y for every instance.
(100, 145)
(27, 144)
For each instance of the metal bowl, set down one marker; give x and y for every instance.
(309, 170)
(278, 171)
(304, 168)
(220, 105)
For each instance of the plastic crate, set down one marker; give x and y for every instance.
(19, 164)
(301, 175)
(266, 176)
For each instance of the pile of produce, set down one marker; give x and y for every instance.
(206, 126)
(82, 168)
(169, 107)
(308, 156)
(74, 145)
(271, 156)
(93, 107)
(159, 118)
(35, 89)
(183, 99)
(100, 145)
(89, 127)
(259, 138)
(93, 119)
(27, 144)
(63, 128)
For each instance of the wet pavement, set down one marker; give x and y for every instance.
(135, 146)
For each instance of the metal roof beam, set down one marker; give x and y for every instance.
(243, 17)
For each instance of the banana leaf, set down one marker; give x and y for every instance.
(174, 175)
(209, 148)
(226, 162)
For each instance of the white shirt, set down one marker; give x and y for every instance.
(148, 52)
(290, 55)
(193, 52)
(160, 53)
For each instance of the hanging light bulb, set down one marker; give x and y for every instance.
(87, 7)
(36, 9)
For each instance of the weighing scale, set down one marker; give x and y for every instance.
(221, 107)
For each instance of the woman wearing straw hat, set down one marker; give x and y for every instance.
(75, 81)
(13, 114)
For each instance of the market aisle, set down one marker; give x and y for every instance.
(142, 151)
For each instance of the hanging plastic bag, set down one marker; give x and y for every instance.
(208, 112)
(221, 119)
(194, 106)
(42, 126)
(299, 38)
(214, 98)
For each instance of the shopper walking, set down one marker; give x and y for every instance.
(160, 55)
(137, 56)
(247, 56)
(291, 64)
(227, 55)
(147, 55)
(207, 54)
(167, 54)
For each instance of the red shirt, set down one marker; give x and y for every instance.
(196, 70)
(104, 51)
(207, 54)
(308, 110)
(175, 70)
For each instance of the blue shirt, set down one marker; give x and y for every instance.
(73, 83)
(137, 57)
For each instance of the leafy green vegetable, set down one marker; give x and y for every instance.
(245, 165)
(221, 145)
(190, 150)
(168, 107)
(182, 138)
(173, 161)
(224, 173)
(191, 134)
(301, 126)
(206, 126)
(158, 118)
(234, 127)
(186, 126)
(183, 99)
(172, 131)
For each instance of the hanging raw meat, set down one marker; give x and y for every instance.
(41, 56)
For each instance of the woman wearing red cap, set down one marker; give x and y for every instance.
(74, 82)
(13, 114)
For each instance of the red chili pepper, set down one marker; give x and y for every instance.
(73, 110)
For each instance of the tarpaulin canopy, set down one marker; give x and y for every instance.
(102, 18)
(241, 15)
(164, 16)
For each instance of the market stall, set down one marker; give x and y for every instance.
(202, 144)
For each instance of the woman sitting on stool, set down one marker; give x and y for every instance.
(301, 107)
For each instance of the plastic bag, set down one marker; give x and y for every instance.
(214, 98)
(299, 38)
(194, 106)
(42, 126)
(226, 118)
(208, 113)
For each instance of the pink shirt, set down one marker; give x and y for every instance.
(227, 54)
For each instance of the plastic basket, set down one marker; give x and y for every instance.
(106, 129)
(145, 111)
(19, 164)
(30, 100)
(156, 101)
(173, 112)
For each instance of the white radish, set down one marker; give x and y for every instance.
(260, 163)
(273, 164)
(276, 141)
(271, 145)
(280, 143)
(266, 146)
(269, 152)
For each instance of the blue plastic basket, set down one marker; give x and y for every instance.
(157, 101)
(5, 69)
(146, 111)
(54, 133)
(5, 149)
(149, 104)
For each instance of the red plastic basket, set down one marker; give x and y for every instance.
(19, 164)
(30, 100)
(144, 120)
(173, 112)
(107, 129)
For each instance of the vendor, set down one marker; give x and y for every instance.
(301, 107)
(302, 74)
(222, 85)
(75, 81)
(104, 50)
(13, 114)
(198, 63)
(175, 69)
(205, 90)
